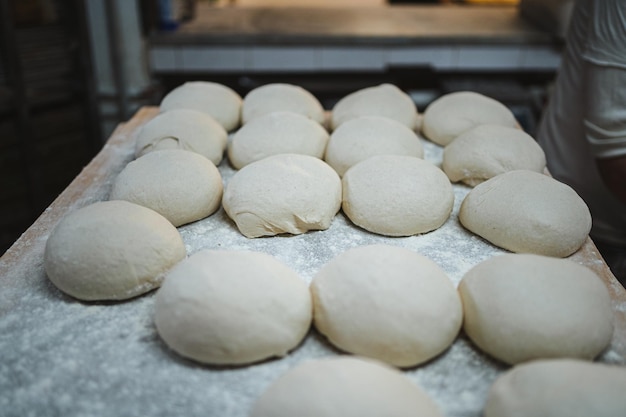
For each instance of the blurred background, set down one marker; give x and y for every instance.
(72, 70)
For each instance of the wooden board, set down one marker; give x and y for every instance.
(64, 357)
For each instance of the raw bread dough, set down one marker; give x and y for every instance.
(387, 303)
(385, 100)
(180, 185)
(519, 307)
(276, 133)
(453, 114)
(524, 211)
(358, 139)
(219, 101)
(281, 97)
(559, 388)
(397, 195)
(344, 386)
(186, 129)
(111, 250)
(284, 193)
(232, 307)
(488, 150)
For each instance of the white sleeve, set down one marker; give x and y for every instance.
(604, 99)
(603, 143)
(606, 35)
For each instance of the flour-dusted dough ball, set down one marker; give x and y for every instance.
(344, 386)
(281, 97)
(397, 195)
(111, 250)
(559, 388)
(284, 193)
(219, 101)
(185, 129)
(387, 303)
(276, 133)
(385, 100)
(232, 307)
(453, 114)
(524, 211)
(180, 185)
(358, 139)
(519, 307)
(488, 150)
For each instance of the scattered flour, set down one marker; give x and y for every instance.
(64, 357)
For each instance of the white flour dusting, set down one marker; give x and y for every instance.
(59, 356)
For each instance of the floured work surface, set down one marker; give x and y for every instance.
(59, 356)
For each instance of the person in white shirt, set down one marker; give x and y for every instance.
(583, 129)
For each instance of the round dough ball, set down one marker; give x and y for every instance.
(489, 150)
(385, 100)
(344, 387)
(519, 307)
(281, 97)
(283, 193)
(186, 129)
(387, 303)
(397, 195)
(180, 185)
(559, 388)
(232, 307)
(220, 102)
(524, 211)
(111, 250)
(453, 114)
(358, 139)
(276, 133)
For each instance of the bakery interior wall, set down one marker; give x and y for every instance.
(46, 134)
(66, 81)
(71, 70)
